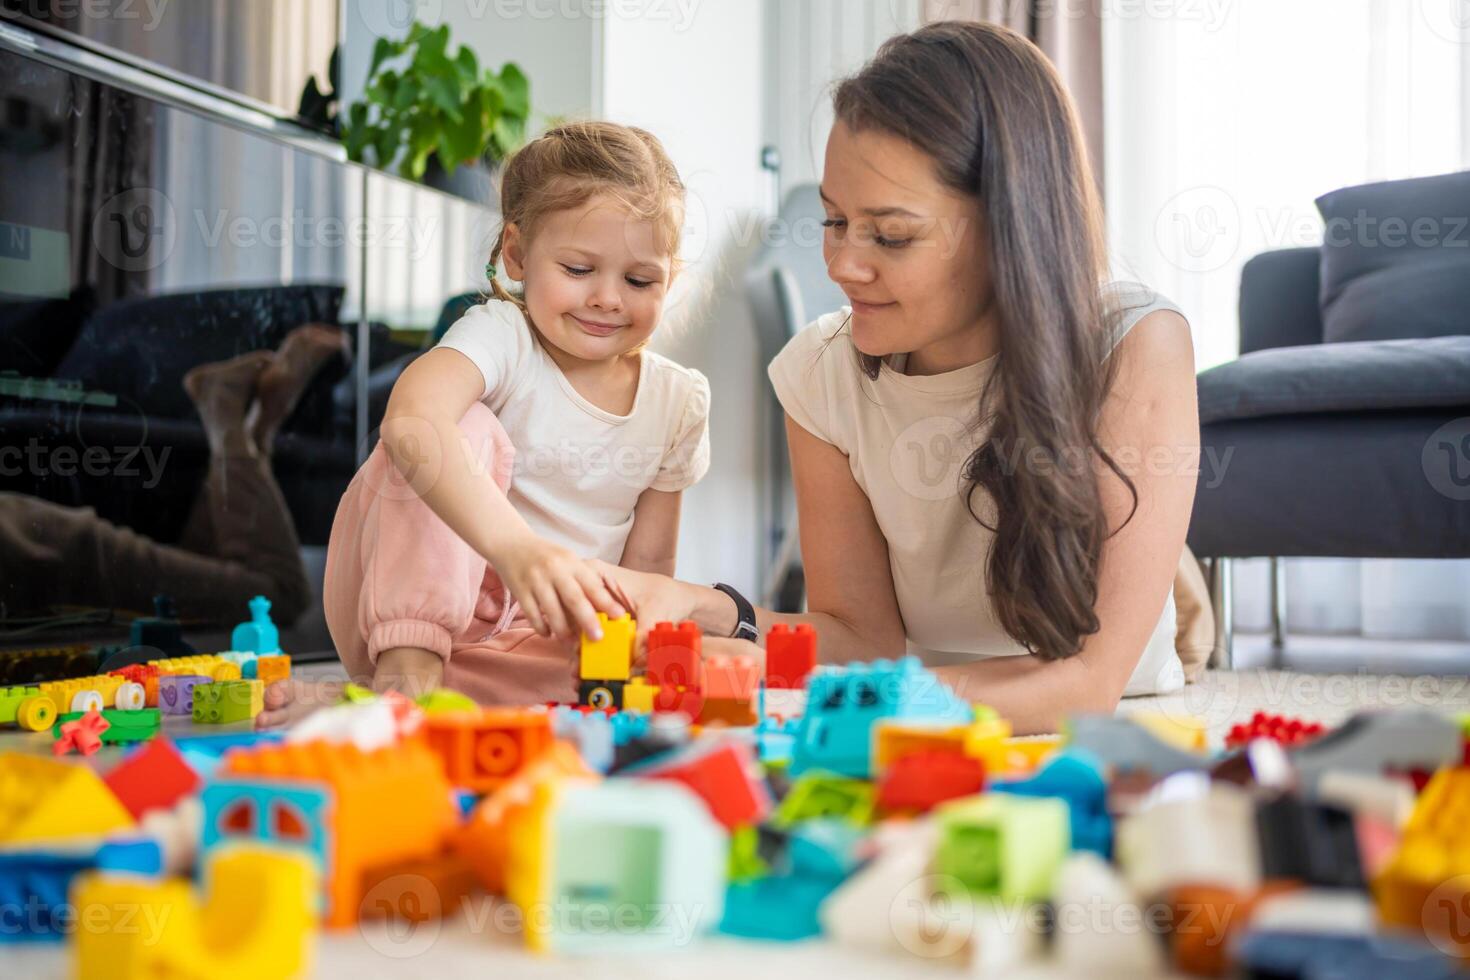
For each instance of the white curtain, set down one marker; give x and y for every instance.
(1224, 121)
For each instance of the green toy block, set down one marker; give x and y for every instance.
(124, 727)
(746, 863)
(827, 795)
(224, 702)
(1003, 845)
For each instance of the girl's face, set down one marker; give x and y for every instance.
(595, 279)
(909, 252)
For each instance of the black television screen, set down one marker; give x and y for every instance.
(264, 50)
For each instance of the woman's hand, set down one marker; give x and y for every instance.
(560, 593)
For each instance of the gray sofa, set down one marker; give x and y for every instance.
(1343, 429)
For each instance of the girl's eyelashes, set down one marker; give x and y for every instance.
(575, 270)
(580, 271)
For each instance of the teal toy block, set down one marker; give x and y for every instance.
(1003, 845)
(844, 703)
(825, 795)
(812, 861)
(260, 635)
(1075, 777)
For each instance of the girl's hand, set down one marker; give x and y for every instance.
(560, 593)
(650, 597)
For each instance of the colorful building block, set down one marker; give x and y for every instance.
(826, 796)
(735, 677)
(208, 664)
(844, 703)
(35, 881)
(147, 676)
(123, 727)
(225, 702)
(1381, 741)
(1432, 859)
(27, 708)
(807, 863)
(482, 749)
(351, 810)
(644, 855)
(610, 658)
(1207, 838)
(1124, 745)
(80, 733)
(727, 712)
(270, 669)
(259, 635)
(505, 817)
(676, 668)
(639, 695)
(1077, 779)
(723, 774)
(600, 694)
(1278, 728)
(176, 692)
(921, 780)
(1002, 845)
(255, 921)
(1313, 843)
(791, 654)
(155, 777)
(44, 799)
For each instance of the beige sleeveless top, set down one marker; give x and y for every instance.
(906, 439)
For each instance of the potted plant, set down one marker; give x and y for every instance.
(436, 114)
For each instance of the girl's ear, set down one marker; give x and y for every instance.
(512, 252)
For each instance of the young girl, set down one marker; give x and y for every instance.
(537, 436)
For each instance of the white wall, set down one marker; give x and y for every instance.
(695, 81)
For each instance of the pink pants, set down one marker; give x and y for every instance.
(397, 576)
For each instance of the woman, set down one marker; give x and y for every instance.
(994, 457)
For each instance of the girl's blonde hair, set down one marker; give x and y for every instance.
(568, 165)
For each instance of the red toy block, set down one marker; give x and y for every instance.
(145, 674)
(732, 677)
(152, 778)
(675, 655)
(482, 749)
(83, 734)
(790, 655)
(683, 700)
(725, 777)
(923, 780)
(1288, 731)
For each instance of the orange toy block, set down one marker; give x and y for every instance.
(893, 739)
(388, 805)
(272, 669)
(735, 677)
(727, 711)
(485, 839)
(482, 749)
(418, 890)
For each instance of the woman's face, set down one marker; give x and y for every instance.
(909, 252)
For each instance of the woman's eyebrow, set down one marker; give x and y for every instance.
(876, 212)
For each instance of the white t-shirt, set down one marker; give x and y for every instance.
(906, 438)
(580, 470)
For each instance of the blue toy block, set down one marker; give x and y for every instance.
(34, 884)
(203, 753)
(628, 725)
(819, 856)
(592, 733)
(1269, 953)
(844, 703)
(290, 815)
(260, 635)
(1077, 778)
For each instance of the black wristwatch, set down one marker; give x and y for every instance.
(745, 628)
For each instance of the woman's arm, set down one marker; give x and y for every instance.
(653, 543)
(1150, 425)
(850, 589)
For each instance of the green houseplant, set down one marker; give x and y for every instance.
(435, 107)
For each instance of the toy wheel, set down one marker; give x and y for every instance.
(87, 701)
(130, 696)
(36, 714)
(601, 697)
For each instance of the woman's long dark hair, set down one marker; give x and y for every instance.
(986, 105)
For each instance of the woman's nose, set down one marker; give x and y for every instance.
(846, 265)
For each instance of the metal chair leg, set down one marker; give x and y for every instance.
(1278, 604)
(1221, 602)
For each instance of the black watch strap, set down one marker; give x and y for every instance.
(745, 628)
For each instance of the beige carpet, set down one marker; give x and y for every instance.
(1223, 698)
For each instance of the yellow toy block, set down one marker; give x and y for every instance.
(1423, 882)
(893, 739)
(1187, 733)
(210, 665)
(610, 658)
(45, 799)
(638, 695)
(256, 921)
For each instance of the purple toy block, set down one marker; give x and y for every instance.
(176, 692)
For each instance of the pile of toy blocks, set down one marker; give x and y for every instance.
(886, 814)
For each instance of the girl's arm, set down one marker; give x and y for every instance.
(653, 544)
(559, 592)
